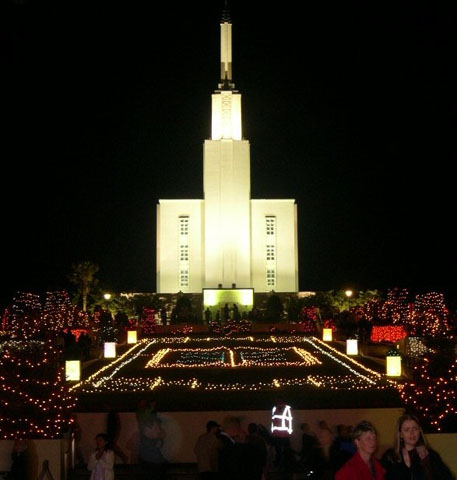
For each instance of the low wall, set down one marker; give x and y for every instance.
(38, 451)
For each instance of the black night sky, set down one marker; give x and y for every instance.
(349, 109)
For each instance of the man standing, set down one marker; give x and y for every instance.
(363, 465)
(207, 451)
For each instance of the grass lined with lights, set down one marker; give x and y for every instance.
(310, 371)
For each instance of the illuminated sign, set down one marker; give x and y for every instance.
(281, 422)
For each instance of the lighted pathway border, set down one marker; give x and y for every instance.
(97, 383)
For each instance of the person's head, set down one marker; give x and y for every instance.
(365, 439)
(212, 427)
(409, 433)
(252, 429)
(102, 441)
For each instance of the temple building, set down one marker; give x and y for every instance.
(227, 240)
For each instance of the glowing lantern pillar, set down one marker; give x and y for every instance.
(73, 370)
(132, 336)
(352, 347)
(393, 366)
(110, 350)
(327, 335)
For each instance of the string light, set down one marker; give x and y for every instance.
(35, 399)
(388, 333)
(433, 398)
(359, 377)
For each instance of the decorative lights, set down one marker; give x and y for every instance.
(431, 397)
(34, 397)
(358, 377)
(387, 333)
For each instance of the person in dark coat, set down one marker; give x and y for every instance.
(412, 458)
(342, 448)
(255, 453)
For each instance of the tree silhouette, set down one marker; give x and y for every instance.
(83, 276)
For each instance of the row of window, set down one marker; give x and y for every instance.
(270, 225)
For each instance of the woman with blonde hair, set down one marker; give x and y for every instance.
(412, 458)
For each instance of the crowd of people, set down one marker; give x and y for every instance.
(229, 452)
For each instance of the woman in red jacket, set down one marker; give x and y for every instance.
(363, 465)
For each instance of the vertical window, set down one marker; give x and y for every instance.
(271, 278)
(183, 253)
(270, 251)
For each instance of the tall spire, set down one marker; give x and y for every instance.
(226, 50)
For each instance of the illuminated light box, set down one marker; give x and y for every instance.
(282, 422)
(393, 366)
(327, 335)
(132, 336)
(243, 297)
(73, 370)
(352, 347)
(110, 350)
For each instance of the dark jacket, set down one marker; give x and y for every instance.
(432, 467)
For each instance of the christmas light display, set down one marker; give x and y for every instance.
(309, 319)
(148, 321)
(358, 377)
(432, 398)
(230, 327)
(416, 347)
(236, 357)
(34, 398)
(24, 317)
(395, 309)
(142, 385)
(387, 333)
(60, 314)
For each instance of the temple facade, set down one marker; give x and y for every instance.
(227, 239)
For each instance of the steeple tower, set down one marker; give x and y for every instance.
(226, 51)
(226, 239)
(226, 101)
(227, 181)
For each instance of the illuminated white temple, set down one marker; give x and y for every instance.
(227, 239)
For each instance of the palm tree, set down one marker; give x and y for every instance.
(83, 276)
